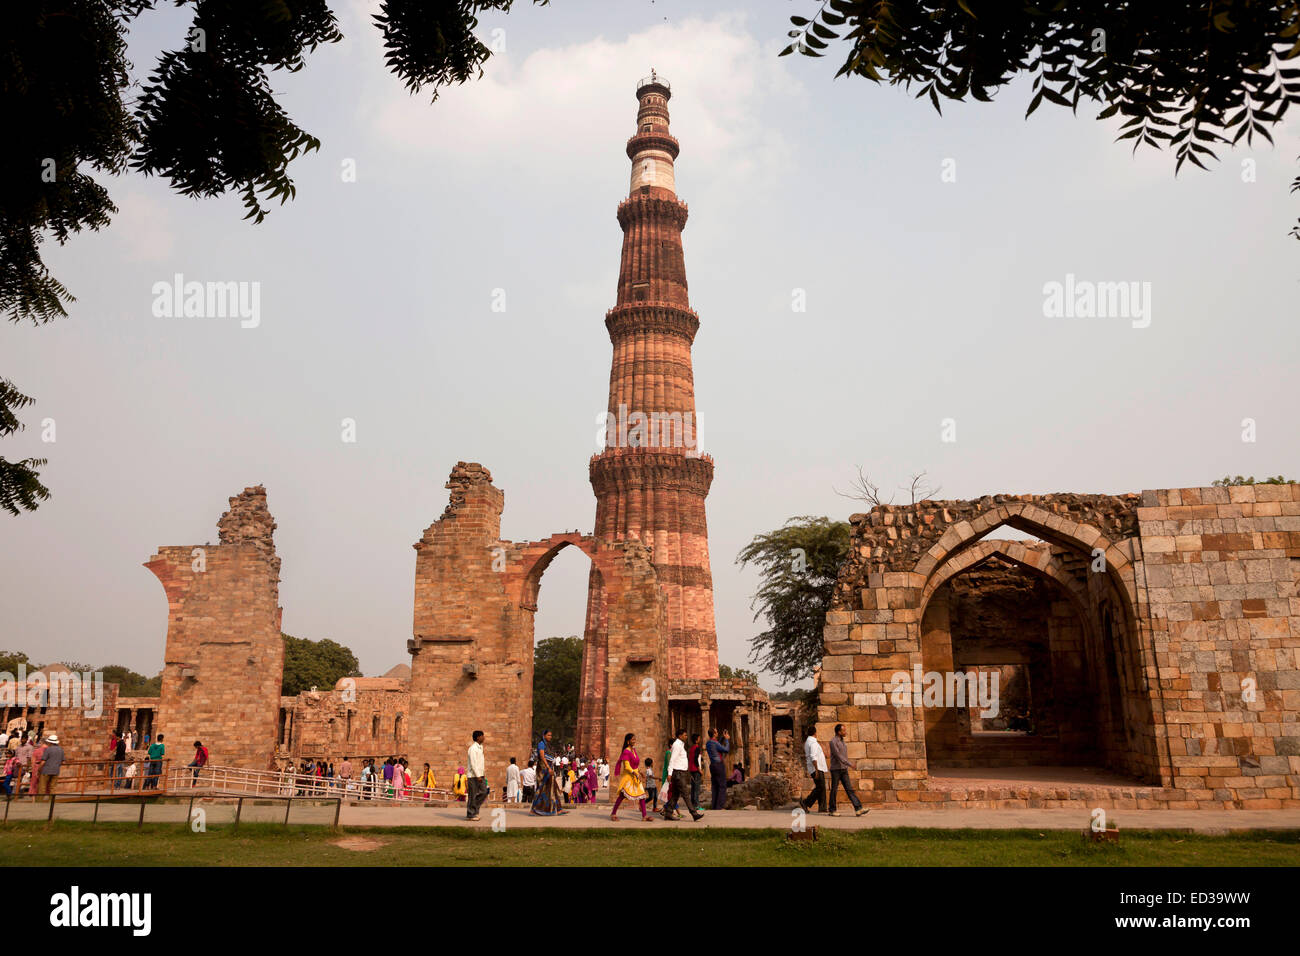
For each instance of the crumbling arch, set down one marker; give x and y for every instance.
(525, 583)
(1118, 657)
(1038, 560)
(1008, 604)
(1031, 519)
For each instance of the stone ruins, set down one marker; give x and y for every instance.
(1159, 634)
(1146, 647)
(224, 659)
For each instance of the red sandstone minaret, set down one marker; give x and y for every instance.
(651, 479)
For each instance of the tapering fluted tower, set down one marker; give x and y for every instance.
(650, 479)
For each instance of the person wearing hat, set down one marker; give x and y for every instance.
(51, 764)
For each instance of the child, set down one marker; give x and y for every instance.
(459, 784)
(651, 784)
(12, 765)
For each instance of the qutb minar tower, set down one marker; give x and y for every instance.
(650, 479)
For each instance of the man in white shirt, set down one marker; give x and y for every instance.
(815, 763)
(528, 778)
(476, 777)
(679, 771)
(512, 782)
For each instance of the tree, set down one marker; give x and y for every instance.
(319, 664)
(206, 120)
(20, 483)
(863, 489)
(131, 684)
(798, 694)
(9, 661)
(557, 681)
(737, 673)
(1228, 481)
(1187, 76)
(798, 564)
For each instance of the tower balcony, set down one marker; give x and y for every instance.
(622, 469)
(659, 455)
(664, 205)
(652, 317)
(654, 139)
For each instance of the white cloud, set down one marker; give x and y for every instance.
(555, 108)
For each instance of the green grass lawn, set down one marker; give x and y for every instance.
(116, 844)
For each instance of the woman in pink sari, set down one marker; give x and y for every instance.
(38, 757)
(630, 784)
(593, 782)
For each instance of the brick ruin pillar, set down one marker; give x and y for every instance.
(471, 649)
(636, 658)
(224, 658)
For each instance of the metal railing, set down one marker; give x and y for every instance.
(653, 79)
(77, 778)
(156, 807)
(275, 783)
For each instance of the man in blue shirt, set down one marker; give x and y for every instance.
(717, 749)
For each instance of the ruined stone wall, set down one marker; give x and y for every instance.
(472, 662)
(472, 649)
(787, 745)
(874, 628)
(359, 717)
(1174, 604)
(224, 657)
(731, 704)
(1219, 573)
(136, 714)
(84, 734)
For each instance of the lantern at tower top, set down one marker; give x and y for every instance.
(654, 79)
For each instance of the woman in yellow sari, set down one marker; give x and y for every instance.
(630, 783)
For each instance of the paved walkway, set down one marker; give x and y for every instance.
(597, 817)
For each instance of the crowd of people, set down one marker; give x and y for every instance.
(31, 763)
(392, 780)
(555, 777)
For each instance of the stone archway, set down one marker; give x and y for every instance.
(902, 555)
(625, 655)
(1065, 532)
(472, 649)
(1012, 625)
(1037, 559)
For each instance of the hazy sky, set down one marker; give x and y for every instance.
(924, 301)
